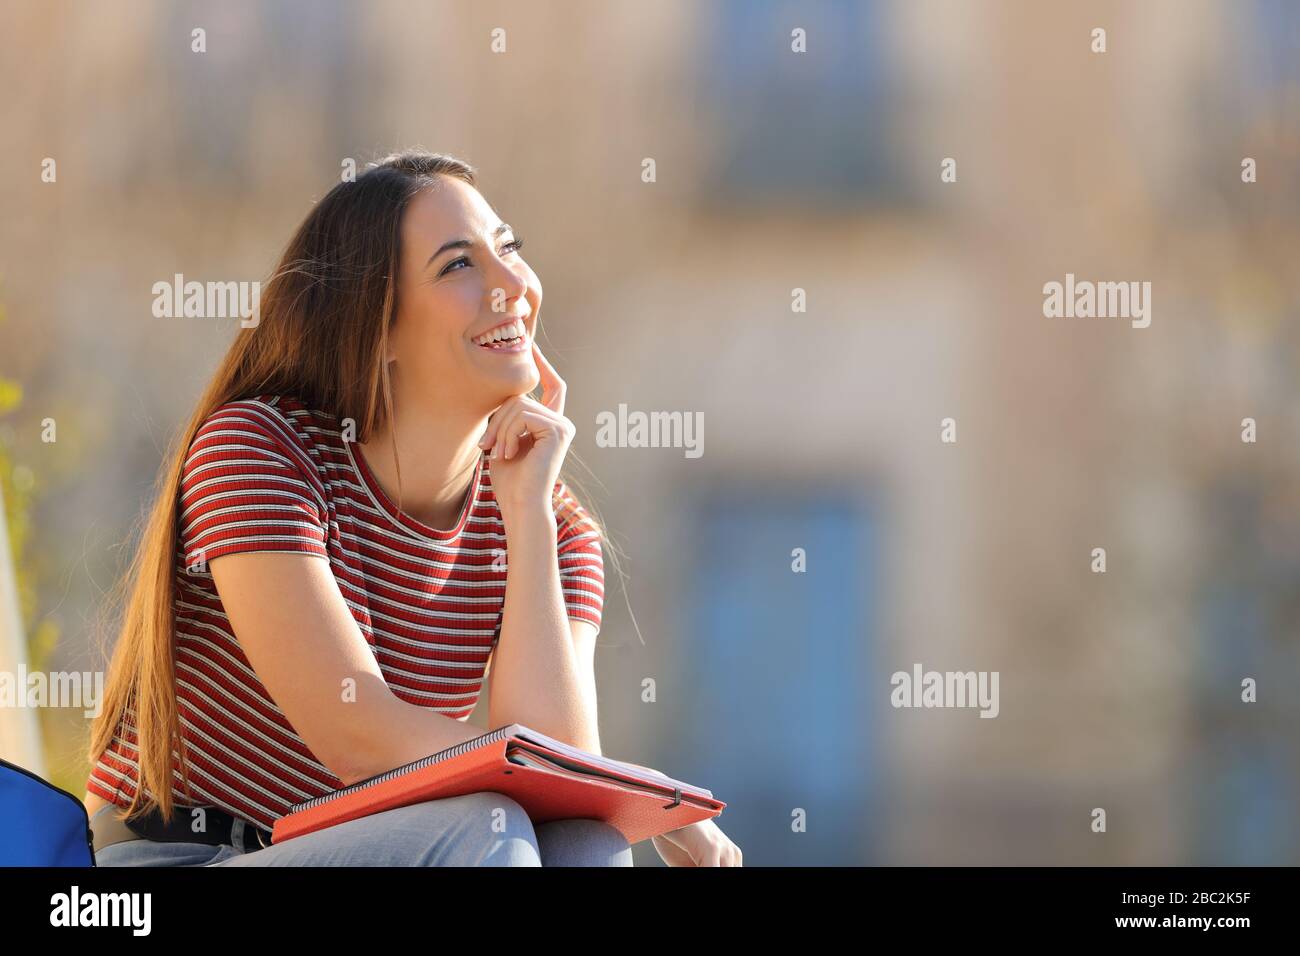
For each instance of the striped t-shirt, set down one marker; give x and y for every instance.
(269, 474)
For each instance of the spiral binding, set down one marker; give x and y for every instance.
(440, 756)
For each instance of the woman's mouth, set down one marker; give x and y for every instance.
(508, 337)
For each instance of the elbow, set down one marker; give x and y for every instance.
(347, 768)
(348, 778)
(355, 749)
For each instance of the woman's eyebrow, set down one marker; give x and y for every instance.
(466, 243)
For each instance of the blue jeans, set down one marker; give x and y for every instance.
(477, 829)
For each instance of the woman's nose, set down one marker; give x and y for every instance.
(511, 281)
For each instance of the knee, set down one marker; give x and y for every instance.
(474, 829)
(582, 842)
(493, 830)
(498, 812)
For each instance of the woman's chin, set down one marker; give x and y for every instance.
(508, 383)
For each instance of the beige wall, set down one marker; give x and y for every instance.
(1070, 436)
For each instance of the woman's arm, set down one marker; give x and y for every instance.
(584, 649)
(540, 676)
(542, 669)
(303, 643)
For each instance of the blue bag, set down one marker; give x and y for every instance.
(41, 825)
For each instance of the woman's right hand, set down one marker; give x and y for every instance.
(528, 440)
(700, 844)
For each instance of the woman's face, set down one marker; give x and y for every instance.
(461, 276)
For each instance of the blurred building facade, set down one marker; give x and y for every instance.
(774, 172)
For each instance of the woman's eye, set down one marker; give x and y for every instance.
(513, 245)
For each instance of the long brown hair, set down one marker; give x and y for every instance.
(322, 335)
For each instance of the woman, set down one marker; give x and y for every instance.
(377, 416)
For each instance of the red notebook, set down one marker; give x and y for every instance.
(548, 778)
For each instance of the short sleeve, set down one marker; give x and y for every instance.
(582, 567)
(246, 485)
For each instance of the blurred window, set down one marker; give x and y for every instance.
(1275, 39)
(295, 58)
(812, 128)
(777, 673)
(1240, 779)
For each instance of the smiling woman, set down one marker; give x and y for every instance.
(363, 421)
(511, 336)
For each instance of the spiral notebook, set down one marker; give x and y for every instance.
(548, 778)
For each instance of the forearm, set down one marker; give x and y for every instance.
(390, 732)
(537, 679)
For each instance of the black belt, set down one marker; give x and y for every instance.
(218, 828)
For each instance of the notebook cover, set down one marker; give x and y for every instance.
(543, 794)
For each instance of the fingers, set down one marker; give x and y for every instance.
(497, 420)
(524, 423)
(500, 428)
(726, 855)
(554, 391)
(719, 850)
(497, 430)
(554, 388)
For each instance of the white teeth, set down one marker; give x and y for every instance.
(514, 330)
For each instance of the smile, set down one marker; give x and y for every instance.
(512, 336)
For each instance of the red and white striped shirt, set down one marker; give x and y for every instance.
(269, 474)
